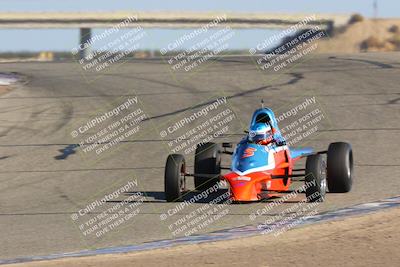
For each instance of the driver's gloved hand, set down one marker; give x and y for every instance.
(280, 143)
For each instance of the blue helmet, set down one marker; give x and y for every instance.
(259, 131)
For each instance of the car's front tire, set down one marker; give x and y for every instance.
(174, 177)
(207, 161)
(315, 178)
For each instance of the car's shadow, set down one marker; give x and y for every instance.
(190, 196)
(194, 197)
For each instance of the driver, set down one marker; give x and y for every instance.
(263, 133)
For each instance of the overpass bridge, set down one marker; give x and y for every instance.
(85, 21)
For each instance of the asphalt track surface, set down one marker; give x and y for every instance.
(45, 178)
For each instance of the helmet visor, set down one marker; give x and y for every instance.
(257, 137)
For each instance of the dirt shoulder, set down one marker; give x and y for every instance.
(369, 240)
(4, 89)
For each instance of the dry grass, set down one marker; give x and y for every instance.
(395, 40)
(356, 18)
(370, 43)
(367, 35)
(394, 29)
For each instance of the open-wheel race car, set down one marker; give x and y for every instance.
(261, 170)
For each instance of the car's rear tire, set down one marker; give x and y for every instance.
(174, 178)
(340, 167)
(315, 178)
(207, 161)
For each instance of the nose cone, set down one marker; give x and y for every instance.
(243, 188)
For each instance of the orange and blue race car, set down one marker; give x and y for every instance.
(263, 166)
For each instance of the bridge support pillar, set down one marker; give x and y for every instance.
(85, 35)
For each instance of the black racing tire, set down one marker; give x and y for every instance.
(174, 178)
(340, 167)
(315, 178)
(207, 161)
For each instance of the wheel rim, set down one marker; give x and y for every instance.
(323, 186)
(182, 180)
(323, 182)
(350, 167)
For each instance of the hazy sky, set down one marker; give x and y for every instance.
(37, 40)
